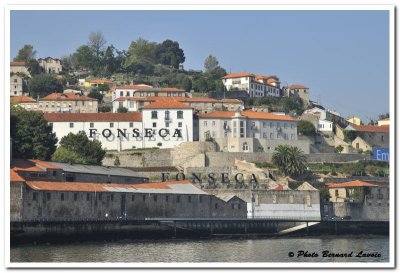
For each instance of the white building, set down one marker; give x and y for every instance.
(50, 65)
(17, 84)
(127, 90)
(249, 131)
(160, 125)
(324, 125)
(19, 68)
(254, 85)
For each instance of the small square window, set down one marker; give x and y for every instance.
(71, 125)
(91, 125)
(111, 124)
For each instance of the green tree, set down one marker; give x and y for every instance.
(339, 149)
(116, 161)
(122, 110)
(187, 84)
(105, 108)
(77, 148)
(169, 53)
(31, 135)
(96, 95)
(306, 128)
(324, 195)
(141, 51)
(25, 54)
(34, 67)
(96, 43)
(349, 136)
(290, 160)
(210, 63)
(84, 57)
(44, 84)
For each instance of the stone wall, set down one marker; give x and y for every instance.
(360, 211)
(140, 158)
(335, 157)
(16, 190)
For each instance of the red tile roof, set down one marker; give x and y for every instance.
(17, 63)
(66, 97)
(166, 104)
(15, 177)
(21, 99)
(238, 75)
(371, 128)
(45, 164)
(96, 117)
(350, 184)
(248, 114)
(97, 187)
(232, 101)
(25, 165)
(297, 86)
(100, 81)
(134, 87)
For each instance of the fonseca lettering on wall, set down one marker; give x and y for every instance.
(212, 178)
(135, 132)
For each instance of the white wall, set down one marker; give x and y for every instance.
(325, 126)
(288, 211)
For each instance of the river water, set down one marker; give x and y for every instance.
(208, 250)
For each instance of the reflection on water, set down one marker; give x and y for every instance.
(255, 250)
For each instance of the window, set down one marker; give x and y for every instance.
(91, 125)
(264, 124)
(166, 115)
(142, 94)
(75, 196)
(128, 94)
(245, 146)
(179, 114)
(111, 124)
(233, 206)
(205, 123)
(241, 129)
(121, 93)
(133, 198)
(154, 124)
(34, 196)
(62, 196)
(112, 197)
(54, 173)
(201, 199)
(336, 193)
(271, 136)
(87, 197)
(48, 196)
(213, 123)
(178, 199)
(239, 206)
(271, 124)
(71, 125)
(179, 124)
(153, 114)
(166, 198)
(100, 196)
(144, 197)
(155, 198)
(130, 124)
(189, 199)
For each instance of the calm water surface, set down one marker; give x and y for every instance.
(238, 250)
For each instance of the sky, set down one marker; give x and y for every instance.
(342, 56)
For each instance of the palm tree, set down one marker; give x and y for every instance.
(290, 160)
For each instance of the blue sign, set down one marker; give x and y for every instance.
(381, 154)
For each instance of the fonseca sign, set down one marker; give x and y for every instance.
(135, 132)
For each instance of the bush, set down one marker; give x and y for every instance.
(339, 149)
(306, 128)
(122, 110)
(105, 108)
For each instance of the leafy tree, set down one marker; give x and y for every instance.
(169, 53)
(31, 135)
(290, 160)
(84, 57)
(306, 128)
(25, 54)
(210, 63)
(111, 62)
(383, 116)
(96, 43)
(187, 84)
(102, 87)
(349, 136)
(105, 108)
(324, 195)
(122, 110)
(34, 67)
(77, 148)
(141, 51)
(339, 149)
(217, 73)
(116, 161)
(44, 84)
(96, 95)
(68, 63)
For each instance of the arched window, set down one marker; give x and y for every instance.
(245, 146)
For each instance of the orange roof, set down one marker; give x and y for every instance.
(232, 101)
(44, 164)
(97, 187)
(66, 97)
(205, 100)
(14, 177)
(135, 86)
(297, 86)
(99, 81)
(25, 165)
(98, 117)
(17, 63)
(371, 128)
(238, 75)
(350, 184)
(166, 104)
(21, 99)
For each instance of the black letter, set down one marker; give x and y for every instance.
(164, 177)
(148, 132)
(91, 131)
(109, 133)
(166, 132)
(177, 131)
(225, 179)
(196, 178)
(123, 133)
(180, 174)
(211, 178)
(253, 180)
(135, 132)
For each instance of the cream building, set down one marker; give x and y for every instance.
(19, 68)
(354, 120)
(254, 85)
(17, 84)
(299, 91)
(50, 65)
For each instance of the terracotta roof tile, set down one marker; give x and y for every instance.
(371, 128)
(25, 165)
(135, 86)
(18, 63)
(238, 75)
(21, 99)
(355, 183)
(166, 104)
(248, 114)
(15, 177)
(66, 97)
(96, 117)
(297, 86)
(45, 164)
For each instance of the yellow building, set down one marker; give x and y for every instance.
(384, 122)
(352, 191)
(355, 120)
